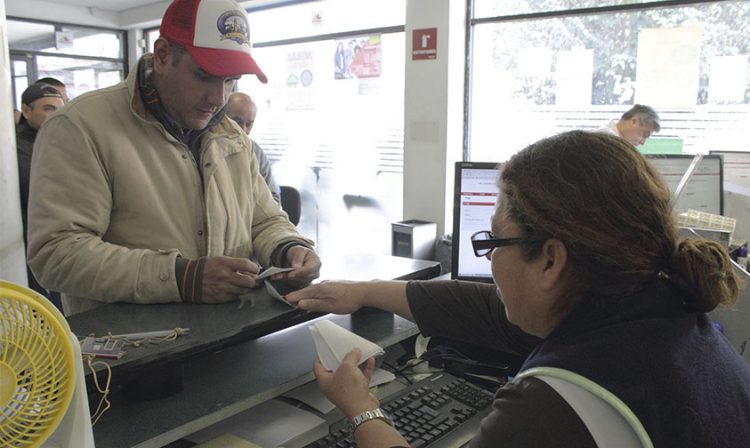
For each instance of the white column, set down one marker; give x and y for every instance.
(12, 255)
(135, 51)
(433, 113)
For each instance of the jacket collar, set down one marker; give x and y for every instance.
(218, 126)
(24, 130)
(146, 103)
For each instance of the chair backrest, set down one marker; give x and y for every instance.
(291, 203)
(609, 420)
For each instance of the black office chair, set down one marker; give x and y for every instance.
(291, 203)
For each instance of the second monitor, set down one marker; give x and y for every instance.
(704, 190)
(474, 197)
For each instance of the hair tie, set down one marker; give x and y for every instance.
(661, 275)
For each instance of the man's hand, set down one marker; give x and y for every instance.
(306, 266)
(225, 278)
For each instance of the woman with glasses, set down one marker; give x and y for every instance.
(592, 283)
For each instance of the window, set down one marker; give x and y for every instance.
(331, 116)
(82, 58)
(492, 8)
(555, 72)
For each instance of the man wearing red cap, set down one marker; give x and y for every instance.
(146, 192)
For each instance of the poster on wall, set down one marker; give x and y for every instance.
(424, 44)
(299, 79)
(573, 75)
(667, 68)
(726, 84)
(358, 57)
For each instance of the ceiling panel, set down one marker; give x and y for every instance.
(110, 5)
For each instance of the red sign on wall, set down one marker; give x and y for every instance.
(424, 44)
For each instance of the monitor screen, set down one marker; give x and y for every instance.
(736, 170)
(474, 197)
(703, 192)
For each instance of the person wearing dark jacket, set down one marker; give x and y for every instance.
(593, 283)
(38, 102)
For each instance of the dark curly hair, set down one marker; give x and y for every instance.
(599, 196)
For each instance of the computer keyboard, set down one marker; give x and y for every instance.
(439, 411)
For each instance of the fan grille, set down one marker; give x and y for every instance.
(37, 370)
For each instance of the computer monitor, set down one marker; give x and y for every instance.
(704, 190)
(474, 197)
(736, 170)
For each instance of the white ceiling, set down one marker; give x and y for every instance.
(122, 5)
(109, 5)
(124, 14)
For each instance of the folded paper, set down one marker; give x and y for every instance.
(273, 270)
(333, 343)
(271, 290)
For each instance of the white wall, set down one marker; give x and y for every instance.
(433, 112)
(12, 265)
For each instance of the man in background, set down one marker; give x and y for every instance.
(146, 192)
(38, 101)
(242, 109)
(57, 84)
(636, 125)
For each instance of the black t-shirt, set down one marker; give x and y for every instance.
(527, 413)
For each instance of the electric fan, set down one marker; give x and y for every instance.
(42, 390)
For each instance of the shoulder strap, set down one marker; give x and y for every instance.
(609, 420)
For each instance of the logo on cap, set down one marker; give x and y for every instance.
(233, 25)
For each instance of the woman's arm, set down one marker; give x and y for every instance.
(342, 297)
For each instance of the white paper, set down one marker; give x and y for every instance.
(275, 294)
(333, 343)
(381, 376)
(727, 80)
(668, 67)
(273, 270)
(573, 77)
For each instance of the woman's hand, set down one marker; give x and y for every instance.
(329, 297)
(348, 386)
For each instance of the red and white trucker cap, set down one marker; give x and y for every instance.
(215, 33)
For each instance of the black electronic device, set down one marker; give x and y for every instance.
(475, 194)
(736, 170)
(704, 190)
(464, 359)
(439, 411)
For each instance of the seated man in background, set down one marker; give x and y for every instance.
(147, 192)
(242, 109)
(38, 101)
(636, 125)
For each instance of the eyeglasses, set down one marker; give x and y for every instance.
(484, 242)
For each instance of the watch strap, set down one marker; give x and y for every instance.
(366, 417)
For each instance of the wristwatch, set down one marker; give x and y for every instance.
(366, 417)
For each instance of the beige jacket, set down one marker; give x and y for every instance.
(114, 198)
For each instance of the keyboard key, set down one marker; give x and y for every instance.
(431, 413)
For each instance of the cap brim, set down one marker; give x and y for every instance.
(226, 62)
